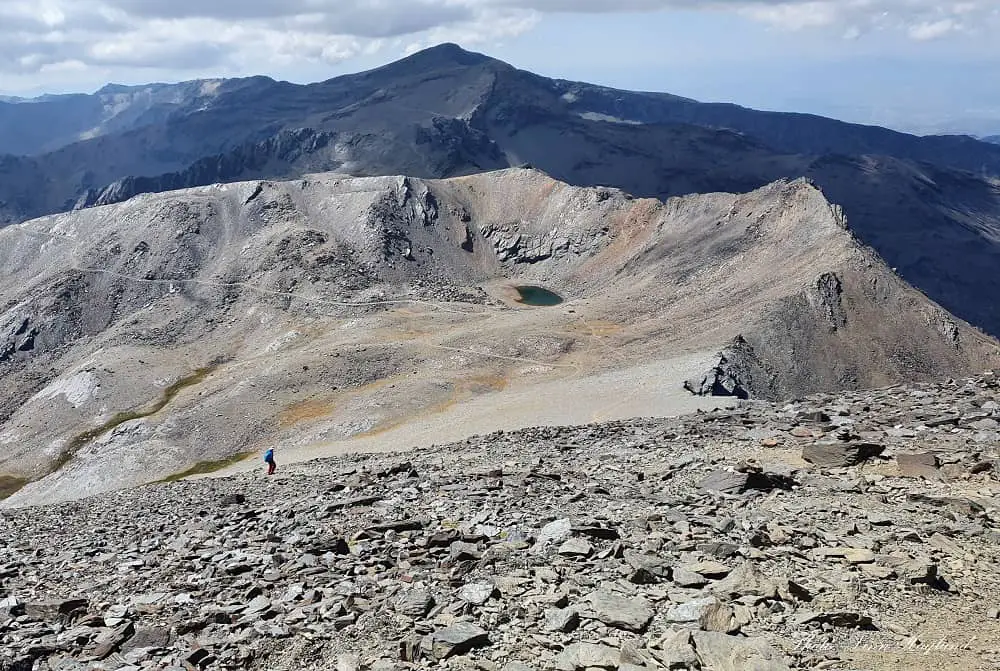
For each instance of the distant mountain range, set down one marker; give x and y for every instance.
(995, 139)
(929, 205)
(36, 126)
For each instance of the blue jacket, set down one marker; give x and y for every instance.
(269, 455)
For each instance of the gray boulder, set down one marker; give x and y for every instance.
(617, 611)
(839, 454)
(458, 639)
(588, 656)
(721, 652)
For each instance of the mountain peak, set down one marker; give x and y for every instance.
(452, 52)
(447, 54)
(114, 89)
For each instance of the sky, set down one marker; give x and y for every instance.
(917, 65)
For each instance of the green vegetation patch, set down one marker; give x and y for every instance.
(203, 467)
(77, 442)
(10, 485)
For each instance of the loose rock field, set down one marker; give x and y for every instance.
(706, 541)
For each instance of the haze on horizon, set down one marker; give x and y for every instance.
(917, 65)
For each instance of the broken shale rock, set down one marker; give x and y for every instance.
(746, 580)
(921, 465)
(840, 455)
(735, 482)
(415, 603)
(662, 573)
(675, 650)
(588, 656)
(614, 610)
(721, 652)
(457, 639)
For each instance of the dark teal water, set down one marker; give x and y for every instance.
(537, 296)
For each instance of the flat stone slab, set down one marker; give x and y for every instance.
(588, 656)
(631, 614)
(921, 465)
(840, 455)
(851, 555)
(458, 639)
(721, 652)
(691, 611)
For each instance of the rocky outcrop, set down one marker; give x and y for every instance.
(718, 381)
(19, 338)
(740, 373)
(453, 147)
(512, 246)
(825, 296)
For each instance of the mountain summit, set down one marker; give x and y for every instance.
(446, 54)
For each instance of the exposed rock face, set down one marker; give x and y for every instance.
(450, 556)
(511, 246)
(731, 377)
(193, 326)
(826, 297)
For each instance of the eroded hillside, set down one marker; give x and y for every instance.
(179, 331)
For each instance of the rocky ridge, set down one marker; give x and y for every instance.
(40, 125)
(140, 339)
(854, 531)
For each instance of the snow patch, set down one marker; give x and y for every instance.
(597, 116)
(211, 87)
(282, 341)
(77, 389)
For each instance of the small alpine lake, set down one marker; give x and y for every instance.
(537, 296)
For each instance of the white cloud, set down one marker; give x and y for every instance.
(846, 18)
(918, 19)
(795, 15)
(231, 35)
(931, 30)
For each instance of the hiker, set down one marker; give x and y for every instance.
(269, 460)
